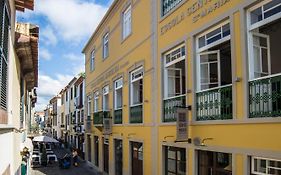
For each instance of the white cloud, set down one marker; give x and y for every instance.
(48, 36)
(45, 54)
(74, 57)
(49, 87)
(72, 19)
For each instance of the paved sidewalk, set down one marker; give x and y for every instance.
(83, 168)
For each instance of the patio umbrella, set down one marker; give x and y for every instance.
(44, 139)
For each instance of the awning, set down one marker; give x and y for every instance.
(21, 5)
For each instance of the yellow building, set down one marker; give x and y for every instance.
(192, 87)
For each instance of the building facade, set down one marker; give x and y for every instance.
(55, 102)
(19, 77)
(189, 87)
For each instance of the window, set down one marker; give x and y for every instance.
(137, 158)
(66, 95)
(137, 87)
(264, 32)
(71, 93)
(214, 163)
(4, 38)
(92, 61)
(265, 166)
(214, 57)
(168, 5)
(214, 74)
(127, 23)
(89, 106)
(175, 161)
(105, 93)
(96, 101)
(118, 85)
(105, 45)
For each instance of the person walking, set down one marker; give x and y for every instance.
(75, 157)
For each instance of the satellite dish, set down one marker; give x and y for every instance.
(197, 141)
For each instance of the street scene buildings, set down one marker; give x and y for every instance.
(170, 87)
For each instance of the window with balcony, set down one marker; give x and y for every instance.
(127, 22)
(92, 61)
(214, 77)
(265, 166)
(136, 95)
(174, 82)
(118, 102)
(4, 38)
(105, 94)
(105, 45)
(264, 35)
(168, 5)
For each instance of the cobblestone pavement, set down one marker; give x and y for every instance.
(82, 169)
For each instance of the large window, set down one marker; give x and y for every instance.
(105, 45)
(175, 161)
(92, 60)
(136, 96)
(214, 73)
(118, 102)
(168, 5)
(214, 163)
(265, 166)
(105, 93)
(96, 101)
(264, 35)
(89, 106)
(127, 23)
(4, 38)
(174, 81)
(137, 158)
(118, 145)
(137, 87)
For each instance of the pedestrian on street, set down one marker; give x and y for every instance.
(75, 157)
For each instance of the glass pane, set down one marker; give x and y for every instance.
(215, 38)
(274, 171)
(181, 167)
(264, 60)
(119, 98)
(171, 154)
(275, 163)
(261, 165)
(226, 30)
(272, 11)
(257, 62)
(171, 165)
(213, 33)
(256, 15)
(204, 71)
(271, 4)
(201, 41)
(214, 73)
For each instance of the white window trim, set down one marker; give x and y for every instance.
(105, 41)
(105, 91)
(96, 99)
(126, 32)
(89, 106)
(115, 92)
(267, 166)
(176, 60)
(166, 82)
(262, 22)
(198, 49)
(131, 85)
(92, 61)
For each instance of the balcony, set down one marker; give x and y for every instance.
(99, 116)
(214, 104)
(265, 97)
(170, 105)
(118, 116)
(136, 114)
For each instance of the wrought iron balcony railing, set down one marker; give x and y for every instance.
(118, 116)
(265, 97)
(136, 114)
(99, 116)
(214, 104)
(170, 105)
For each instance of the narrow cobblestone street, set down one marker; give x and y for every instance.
(54, 169)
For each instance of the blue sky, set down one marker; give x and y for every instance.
(65, 27)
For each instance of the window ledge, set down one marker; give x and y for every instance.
(126, 38)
